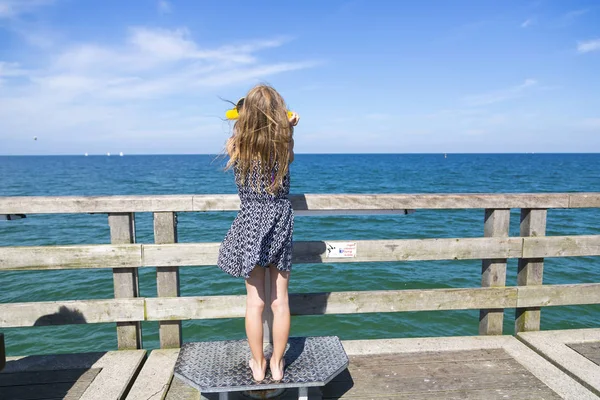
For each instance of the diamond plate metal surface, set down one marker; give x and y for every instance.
(222, 366)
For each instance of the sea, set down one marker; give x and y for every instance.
(311, 173)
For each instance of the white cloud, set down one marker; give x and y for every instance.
(241, 75)
(10, 69)
(164, 44)
(14, 8)
(164, 7)
(31, 30)
(528, 22)
(97, 91)
(571, 15)
(588, 46)
(501, 95)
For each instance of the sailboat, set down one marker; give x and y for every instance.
(121, 154)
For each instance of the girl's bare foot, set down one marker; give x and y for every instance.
(277, 369)
(258, 372)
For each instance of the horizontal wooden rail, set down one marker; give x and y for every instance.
(558, 295)
(70, 257)
(211, 307)
(71, 312)
(208, 307)
(201, 254)
(339, 202)
(366, 251)
(561, 246)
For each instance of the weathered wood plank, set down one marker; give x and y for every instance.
(561, 246)
(348, 390)
(584, 200)
(555, 379)
(117, 369)
(126, 256)
(70, 257)
(67, 390)
(71, 312)
(401, 300)
(342, 202)
(493, 271)
(591, 351)
(95, 204)
(126, 282)
(167, 278)
(180, 390)
(433, 368)
(530, 270)
(366, 250)
(430, 357)
(198, 254)
(401, 201)
(2, 352)
(208, 307)
(484, 394)
(381, 377)
(558, 295)
(429, 201)
(49, 376)
(413, 250)
(155, 377)
(172, 255)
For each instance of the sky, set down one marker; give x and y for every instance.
(366, 76)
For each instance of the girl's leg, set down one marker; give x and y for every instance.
(255, 304)
(281, 319)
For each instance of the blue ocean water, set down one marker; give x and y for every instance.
(355, 173)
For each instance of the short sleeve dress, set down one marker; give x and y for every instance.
(261, 233)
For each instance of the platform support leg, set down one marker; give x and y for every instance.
(303, 393)
(224, 396)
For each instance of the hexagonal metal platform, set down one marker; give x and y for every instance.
(222, 366)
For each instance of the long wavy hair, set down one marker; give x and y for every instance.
(261, 139)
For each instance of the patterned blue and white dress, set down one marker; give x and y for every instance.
(261, 233)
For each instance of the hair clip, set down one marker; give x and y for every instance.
(234, 113)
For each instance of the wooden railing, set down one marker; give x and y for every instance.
(124, 256)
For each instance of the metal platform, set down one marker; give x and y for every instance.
(222, 366)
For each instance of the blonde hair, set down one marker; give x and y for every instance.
(261, 134)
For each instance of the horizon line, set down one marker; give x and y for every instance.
(297, 154)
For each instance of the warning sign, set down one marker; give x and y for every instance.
(340, 249)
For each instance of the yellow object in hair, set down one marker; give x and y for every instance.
(233, 114)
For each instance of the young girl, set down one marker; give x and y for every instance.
(260, 151)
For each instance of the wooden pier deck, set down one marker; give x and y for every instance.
(472, 368)
(532, 364)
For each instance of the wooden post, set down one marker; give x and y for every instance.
(493, 271)
(531, 270)
(2, 352)
(167, 278)
(267, 316)
(126, 285)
